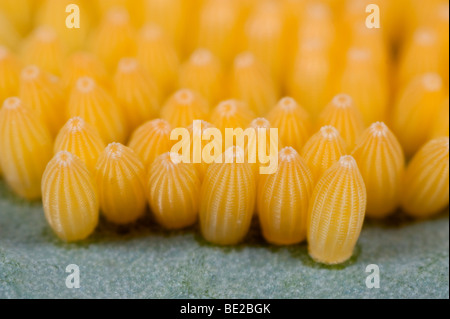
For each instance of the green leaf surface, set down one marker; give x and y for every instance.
(144, 261)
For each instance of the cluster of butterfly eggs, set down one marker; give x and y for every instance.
(336, 164)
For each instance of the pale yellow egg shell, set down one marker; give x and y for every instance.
(80, 139)
(120, 180)
(25, 148)
(69, 197)
(283, 199)
(227, 200)
(426, 183)
(381, 162)
(336, 213)
(173, 190)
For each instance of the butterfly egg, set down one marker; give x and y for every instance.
(227, 198)
(19, 13)
(196, 131)
(317, 22)
(292, 121)
(69, 197)
(9, 36)
(343, 114)
(203, 73)
(25, 148)
(43, 48)
(80, 139)
(231, 114)
(251, 82)
(421, 54)
(440, 23)
(353, 20)
(310, 82)
(80, 64)
(136, 91)
(265, 35)
(9, 74)
(120, 180)
(183, 107)
(97, 107)
(43, 93)
(151, 139)
(426, 184)
(322, 150)
(381, 162)
(262, 147)
(219, 28)
(441, 122)
(370, 93)
(173, 190)
(52, 13)
(115, 38)
(336, 212)
(375, 41)
(283, 199)
(293, 11)
(172, 16)
(415, 109)
(158, 57)
(133, 7)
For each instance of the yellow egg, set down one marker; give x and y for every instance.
(135, 8)
(43, 48)
(342, 114)
(19, 12)
(426, 184)
(203, 73)
(172, 16)
(183, 107)
(80, 139)
(173, 191)
(283, 199)
(311, 79)
(25, 148)
(227, 199)
(336, 213)
(441, 122)
(260, 158)
(158, 56)
(219, 23)
(9, 36)
(231, 114)
(317, 22)
(151, 139)
(322, 150)
(9, 74)
(97, 107)
(197, 146)
(53, 13)
(265, 33)
(421, 55)
(120, 180)
(69, 198)
(373, 40)
(251, 82)
(115, 38)
(292, 121)
(43, 93)
(82, 64)
(415, 110)
(136, 91)
(381, 162)
(366, 84)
